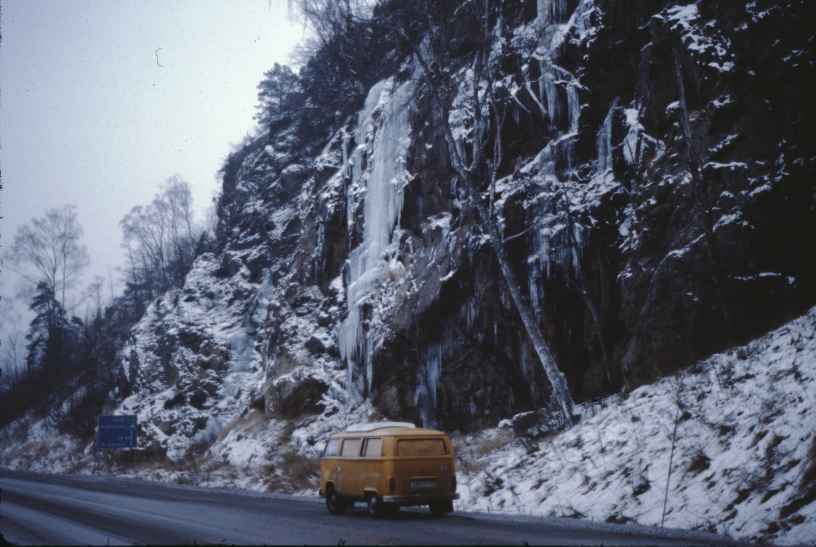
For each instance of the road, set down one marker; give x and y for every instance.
(64, 510)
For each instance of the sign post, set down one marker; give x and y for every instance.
(116, 432)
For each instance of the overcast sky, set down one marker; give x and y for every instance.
(88, 117)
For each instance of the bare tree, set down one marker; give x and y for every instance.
(477, 169)
(159, 239)
(50, 249)
(12, 355)
(93, 297)
(328, 18)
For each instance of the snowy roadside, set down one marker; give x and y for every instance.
(744, 463)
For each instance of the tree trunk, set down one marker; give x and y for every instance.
(542, 349)
(468, 176)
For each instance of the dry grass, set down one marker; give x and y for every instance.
(486, 446)
(248, 421)
(699, 462)
(809, 475)
(807, 485)
(470, 467)
(472, 458)
(301, 471)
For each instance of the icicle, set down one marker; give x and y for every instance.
(529, 86)
(578, 238)
(632, 149)
(551, 95)
(346, 141)
(574, 106)
(604, 141)
(426, 393)
(538, 254)
(551, 11)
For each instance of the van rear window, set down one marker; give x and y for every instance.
(421, 447)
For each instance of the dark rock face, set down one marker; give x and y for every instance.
(639, 304)
(634, 266)
(294, 395)
(534, 424)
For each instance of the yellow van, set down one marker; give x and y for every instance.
(388, 465)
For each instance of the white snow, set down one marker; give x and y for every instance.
(702, 39)
(745, 439)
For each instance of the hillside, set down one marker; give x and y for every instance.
(651, 191)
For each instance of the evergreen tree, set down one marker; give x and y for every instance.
(48, 337)
(279, 94)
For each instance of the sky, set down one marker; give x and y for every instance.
(102, 100)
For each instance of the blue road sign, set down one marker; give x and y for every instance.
(116, 432)
(117, 421)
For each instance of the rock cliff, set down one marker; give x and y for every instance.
(655, 195)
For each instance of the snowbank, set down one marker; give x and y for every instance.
(744, 459)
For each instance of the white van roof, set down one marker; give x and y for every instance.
(371, 426)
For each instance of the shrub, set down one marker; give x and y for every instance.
(699, 462)
(486, 446)
(301, 471)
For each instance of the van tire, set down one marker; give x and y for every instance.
(334, 502)
(375, 506)
(441, 508)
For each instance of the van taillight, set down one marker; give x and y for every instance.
(453, 483)
(392, 485)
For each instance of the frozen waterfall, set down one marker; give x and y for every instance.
(378, 165)
(551, 11)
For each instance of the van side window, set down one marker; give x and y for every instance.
(351, 448)
(373, 448)
(332, 448)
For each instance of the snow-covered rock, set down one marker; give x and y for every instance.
(736, 428)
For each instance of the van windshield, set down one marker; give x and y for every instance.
(421, 447)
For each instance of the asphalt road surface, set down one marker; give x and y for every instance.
(56, 509)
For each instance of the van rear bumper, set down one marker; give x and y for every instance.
(417, 500)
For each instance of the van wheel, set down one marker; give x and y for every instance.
(334, 503)
(441, 508)
(375, 506)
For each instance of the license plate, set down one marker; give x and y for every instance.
(425, 484)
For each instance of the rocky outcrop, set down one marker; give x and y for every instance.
(359, 274)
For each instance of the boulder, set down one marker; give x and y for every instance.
(535, 424)
(295, 394)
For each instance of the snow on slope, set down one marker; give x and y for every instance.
(744, 462)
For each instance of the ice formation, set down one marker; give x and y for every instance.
(378, 165)
(551, 11)
(425, 396)
(604, 141)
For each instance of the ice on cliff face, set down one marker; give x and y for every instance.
(378, 165)
(427, 389)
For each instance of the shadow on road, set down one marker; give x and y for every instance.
(410, 515)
